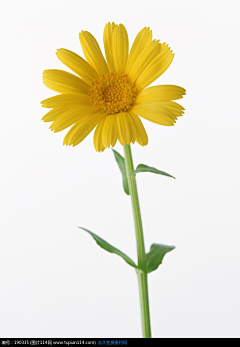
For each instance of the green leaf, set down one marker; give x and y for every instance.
(121, 163)
(155, 256)
(145, 168)
(109, 248)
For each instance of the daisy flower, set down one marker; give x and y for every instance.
(110, 94)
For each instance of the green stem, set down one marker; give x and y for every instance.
(141, 274)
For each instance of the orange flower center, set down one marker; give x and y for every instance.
(113, 93)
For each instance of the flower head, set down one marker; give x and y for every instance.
(111, 94)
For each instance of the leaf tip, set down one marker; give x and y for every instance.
(83, 229)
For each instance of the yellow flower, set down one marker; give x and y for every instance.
(111, 94)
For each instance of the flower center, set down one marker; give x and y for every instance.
(113, 93)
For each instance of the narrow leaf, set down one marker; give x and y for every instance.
(109, 248)
(155, 256)
(145, 168)
(121, 163)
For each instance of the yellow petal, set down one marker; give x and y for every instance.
(150, 51)
(126, 128)
(160, 94)
(53, 114)
(120, 48)
(69, 134)
(77, 64)
(81, 129)
(98, 143)
(64, 82)
(107, 39)
(71, 116)
(141, 135)
(141, 41)
(155, 68)
(109, 131)
(171, 106)
(66, 100)
(93, 52)
(155, 113)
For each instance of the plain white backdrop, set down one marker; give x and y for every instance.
(55, 281)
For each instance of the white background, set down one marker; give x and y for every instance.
(55, 281)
